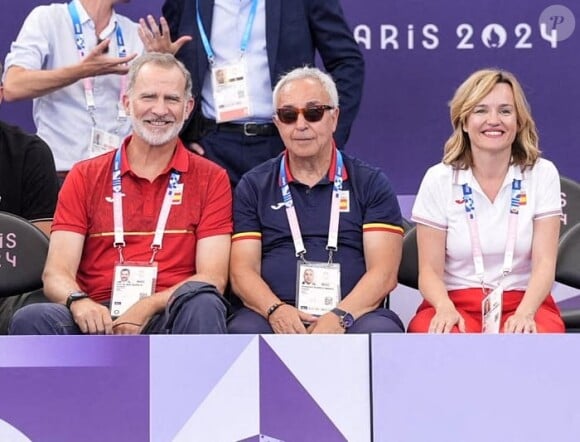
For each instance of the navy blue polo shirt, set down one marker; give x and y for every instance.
(368, 204)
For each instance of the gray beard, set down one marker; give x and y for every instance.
(155, 139)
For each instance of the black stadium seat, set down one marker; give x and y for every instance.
(23, 250)
(568, 266)
(570, 204)
(409, 268)
(568, 272)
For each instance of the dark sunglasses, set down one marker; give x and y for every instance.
(312, 114)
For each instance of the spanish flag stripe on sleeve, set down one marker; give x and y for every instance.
(381, 227)
(246, 235)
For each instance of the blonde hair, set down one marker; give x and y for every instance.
(457, 152)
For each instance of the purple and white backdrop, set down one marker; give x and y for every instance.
(389, 387)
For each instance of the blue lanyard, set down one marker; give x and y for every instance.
(119, 241)
(514, 203)
(245, 36)
(332, 244)
(285, 188)
(80, 37)
(88, 82)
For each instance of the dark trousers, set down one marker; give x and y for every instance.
(381, 320)
(10, 304)
(238, 153)
(203, 313)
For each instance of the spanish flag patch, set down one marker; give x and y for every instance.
(344, 201)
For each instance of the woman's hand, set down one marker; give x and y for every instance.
(520, 323)
(445, 319)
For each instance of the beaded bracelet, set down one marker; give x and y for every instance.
(273, 309)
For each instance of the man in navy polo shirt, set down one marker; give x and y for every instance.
(314, 208)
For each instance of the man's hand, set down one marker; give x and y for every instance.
(92, 317)
(328, 323)
(156, 40)
(197, 148)
(289, 320)
(98, 63)
(135, 318)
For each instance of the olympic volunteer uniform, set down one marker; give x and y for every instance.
(440, 204)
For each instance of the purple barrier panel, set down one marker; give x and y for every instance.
(76, 388)
(261, 438)
(260, 388)
(185, 370)
(475, 388)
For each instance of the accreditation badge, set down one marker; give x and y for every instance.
(317, 287)
(132, 281)
(491, 311)
(231, 92)
(102, 142)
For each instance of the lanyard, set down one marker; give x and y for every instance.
(88, 82)
(245, 36)
(332, 243)
(119, 241)
(514, 211)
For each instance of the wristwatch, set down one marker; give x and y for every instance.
(345, 319)
(75, 296)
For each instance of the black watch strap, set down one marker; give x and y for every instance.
(75, 296)
(345, 318)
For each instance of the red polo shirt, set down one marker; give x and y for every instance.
(85, 206)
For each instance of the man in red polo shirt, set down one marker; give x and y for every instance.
(152, 208)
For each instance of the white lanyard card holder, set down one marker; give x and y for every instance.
(491, 307)
(317, 287)
(132, 281)
(230, 91)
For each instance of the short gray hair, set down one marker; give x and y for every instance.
(307, 72)
(167, 61)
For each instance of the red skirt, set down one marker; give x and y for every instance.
(468, 304)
